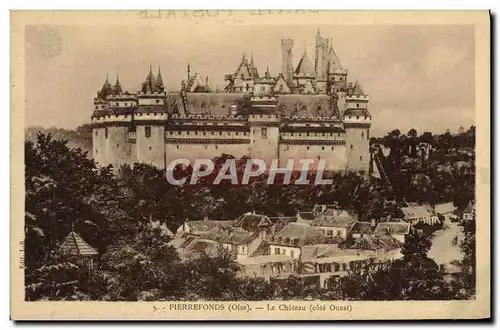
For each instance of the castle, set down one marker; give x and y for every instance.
(310, 112)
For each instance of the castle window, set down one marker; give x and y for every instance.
(117, 104)
(157, 101)
(360, 157)
(339, 134)
(96, 131)
(322, 148)
(307, 134)
(206, 147)
(263, 132)
(351, 146)
(308, 147)
(147, 131)
(357, 105)
(216, 147)
(368, 134)
(204, 133)
(212, 133)
(237, 134)
(220, 133)
(106, 133)
(177, 146)
(333, 148)
(96, 151)
(126, 103)
(150, 148)
(362, 134)
(357, 117)
(117, 145)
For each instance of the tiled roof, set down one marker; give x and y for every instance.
(414, 212)
(445, 208)
(272, 258)
(341, 221)
(375, 242)
(392, 228)
(206, 225)
(307, 215)
(235, 235)
(253, 222)
(75, 245)
(298, 234)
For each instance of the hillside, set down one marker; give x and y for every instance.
(81, 137)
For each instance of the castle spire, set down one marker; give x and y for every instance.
(318, 35)
(251, 59)
(159, 79)
(118, 87)
(357, 90)
(268, 75)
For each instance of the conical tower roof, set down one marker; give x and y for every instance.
(305, 65)
(75, 245)
(159, 79)
(357, 90)
(105, 90)
(334, 59)
(117, 88)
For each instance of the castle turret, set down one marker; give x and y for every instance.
(357, 123)
(150, 118)
(321, 60)
(264, 128)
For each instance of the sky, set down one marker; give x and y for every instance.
(417, 76)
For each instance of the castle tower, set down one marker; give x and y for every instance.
(150, 118)
(321, 60)
(264, 128)
(287, 60)
(111, 120)
(357, 123)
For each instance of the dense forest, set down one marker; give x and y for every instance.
(115, 211)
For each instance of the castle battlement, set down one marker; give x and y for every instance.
(357, 98)
(263, 99)
(159, 116)
(339, 71)
(155, 93)
(310, 119)
(208, 117)
(121, 97)
(112, 118)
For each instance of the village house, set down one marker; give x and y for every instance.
(334, 223)
(199, 227)
(268, 266)
(445, 209)
(469, 212)
(415, 214)
(238, 241)
(295, 235)
(378, 248)
(397, 230)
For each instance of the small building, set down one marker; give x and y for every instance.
(445, 208)
(469, 212)
(238, 241)
(335, 225)
(397, 230)
(415, 214)
(379, 248)
(77, 250)
(200, 227)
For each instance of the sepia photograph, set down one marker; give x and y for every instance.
(226, 164)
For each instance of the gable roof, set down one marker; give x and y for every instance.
(341, 221)
(252, 222)
(206, 225)
(445, 208)
(298, 234)
(235, 235)
(376, 242)
(74, 245)
(413, 212)
(305, 65)
(357, 89)
(392, 228)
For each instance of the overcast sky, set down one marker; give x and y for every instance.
(416, 76)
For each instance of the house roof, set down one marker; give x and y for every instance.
(361, 228)
(206, 225)
(445, 208)
(252, 222)
(272, 258)
(341, 221)
(298, 234)
(203, 246)
(469, 208)
(280, 222)
(73, 244)
(392, 228)
(235, 235)
(376, 242)
(413, 212)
